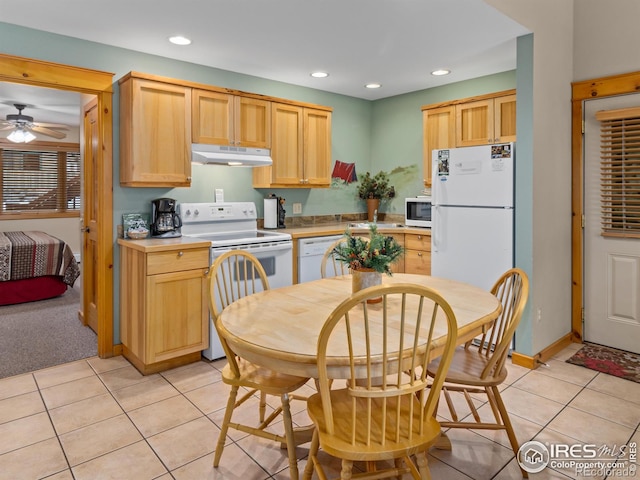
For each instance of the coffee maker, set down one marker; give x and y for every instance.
(165, 222)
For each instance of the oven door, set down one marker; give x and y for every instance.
(275, 257)
(277, 260)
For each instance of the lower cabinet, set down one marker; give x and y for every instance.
(417, 257)
(164, 314)
(398, 267)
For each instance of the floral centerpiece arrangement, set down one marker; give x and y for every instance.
(376, 186)
(375, 253)
(374, 189)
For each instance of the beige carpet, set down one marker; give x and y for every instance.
(42, 334)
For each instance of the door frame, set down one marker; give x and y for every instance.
(581, 92)
(94, 82)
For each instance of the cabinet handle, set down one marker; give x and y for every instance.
(180, 253)
(188, 179)
(206, 272)
(419, 254)
(419, 237)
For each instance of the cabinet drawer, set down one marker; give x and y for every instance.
(177, 261)
(416, 261)
(416, 241)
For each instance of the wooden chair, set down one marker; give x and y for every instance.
(478, 367)
(383, 414)
(329, 259)
(234, 275)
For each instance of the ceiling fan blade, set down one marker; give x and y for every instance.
(48, 132)
(7, 127)
(58, 126)
(7, 123)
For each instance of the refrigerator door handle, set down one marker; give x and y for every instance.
(434, 235)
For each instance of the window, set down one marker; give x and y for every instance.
(39, 179)
(620, 172)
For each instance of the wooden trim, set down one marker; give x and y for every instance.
(54, 75)
(212, 88)
(523, 360)
(475, 98)
(544, 354)
(581, 92)
(41, 145)
(93, 82)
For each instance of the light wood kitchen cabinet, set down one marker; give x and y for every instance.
(480, 120)
(399, 266)
(224, 119)
(300, 148)
(485, 122)
(417, 253)
(439, 131)
(155, 133)
(164, 314)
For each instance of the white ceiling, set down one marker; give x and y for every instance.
(396, 43)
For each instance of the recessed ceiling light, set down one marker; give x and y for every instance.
(319, 74)
(441, 71)
(373, 85)
(179, 40)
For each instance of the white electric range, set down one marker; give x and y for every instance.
(234, 226)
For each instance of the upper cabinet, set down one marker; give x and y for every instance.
(439, 131)
(161, 117)
(300, 148)
(155, 132)
(466, 122)
(224, 119)
(488, 121)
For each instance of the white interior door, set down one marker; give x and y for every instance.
(611, 265)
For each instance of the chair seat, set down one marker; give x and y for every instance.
(261, 378)
(466, 369)
(339, 444)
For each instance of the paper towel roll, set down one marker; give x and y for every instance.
(270, 213)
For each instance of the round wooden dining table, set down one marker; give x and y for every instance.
(279, 328)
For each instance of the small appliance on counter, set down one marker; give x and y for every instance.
(165, 222)
(417, 211)
(274, 214)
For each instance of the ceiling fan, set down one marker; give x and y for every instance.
(23, 127)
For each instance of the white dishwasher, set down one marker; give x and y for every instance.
(310, 253)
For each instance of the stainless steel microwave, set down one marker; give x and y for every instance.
(417, 212)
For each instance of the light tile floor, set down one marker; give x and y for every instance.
(100, 419)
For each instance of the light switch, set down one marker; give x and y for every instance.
(297, 208)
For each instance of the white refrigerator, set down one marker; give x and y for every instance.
(472, 234)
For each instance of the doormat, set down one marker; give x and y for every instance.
(608, 360)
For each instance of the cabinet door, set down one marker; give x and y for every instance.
(212, 118)
(474, 123)
(155, 134)
(417, 261)
(398, 267)
(439, 131)
(252, 122)
(505, 119)
(177, 315)
(317, 147)
(286, 145)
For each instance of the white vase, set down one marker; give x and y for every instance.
(365, 278)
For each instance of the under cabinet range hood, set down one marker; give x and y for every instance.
(203, 153)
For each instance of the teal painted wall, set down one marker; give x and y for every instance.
(524, 184)
(385, 134)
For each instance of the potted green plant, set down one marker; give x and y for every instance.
(373, 189)
(368, 258)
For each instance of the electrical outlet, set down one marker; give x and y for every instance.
(297, 208)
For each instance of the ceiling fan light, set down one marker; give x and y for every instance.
(21, 136)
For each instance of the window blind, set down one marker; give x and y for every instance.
(620, 172)
(40, 180)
